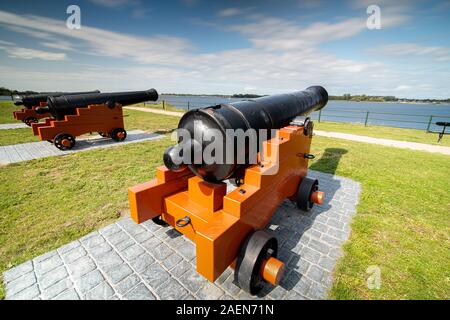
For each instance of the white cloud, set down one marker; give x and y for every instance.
(6, 43)
(392, 12)
(229, 12)
(402, 88)
(278, 34)
(437, 53)
(156, 49)
(27, 54)
(46, 39)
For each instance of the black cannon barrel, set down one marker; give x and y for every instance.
(67, 105)
(270, 112)
(35, 99)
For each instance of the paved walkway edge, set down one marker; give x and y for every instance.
(36, 150)
(386, 142)
(19, 125)
(165, 112)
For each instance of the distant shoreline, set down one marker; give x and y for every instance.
(356, 101)
(333, 98)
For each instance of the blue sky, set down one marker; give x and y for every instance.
(226, 47)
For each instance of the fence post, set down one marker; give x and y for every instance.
(367, 119)
(429, 123)
(188, 105)
(164, 104)
(320, 113)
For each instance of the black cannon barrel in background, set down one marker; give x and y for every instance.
(67, 105)
(271, 112)
(35, 99)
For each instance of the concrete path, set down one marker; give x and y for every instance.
(129, 261)
(35, 150)
(386, 142)
(165, 112)
(18, 125)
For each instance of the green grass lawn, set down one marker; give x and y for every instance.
(6, 112)
(15, 136)
(412, 135)
(167, 106)
(402, 224)
(133, 120)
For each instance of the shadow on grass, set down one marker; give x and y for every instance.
(329, 161)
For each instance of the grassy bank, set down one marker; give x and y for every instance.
(6, 112)
(15, 136)
(160, 106)
(412, 135)
(402, 225)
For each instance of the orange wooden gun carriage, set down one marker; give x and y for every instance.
(229, 228)
(29, 115)
(95, 118)
(75, 115)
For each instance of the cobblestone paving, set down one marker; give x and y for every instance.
(35, 150)
(129, 261)
(18, 125)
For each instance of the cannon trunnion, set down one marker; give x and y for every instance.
(228, 227)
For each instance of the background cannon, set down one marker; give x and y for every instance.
(68, 104)
(271, 112)
(75, 115)
(228, 228)
(29, 115)
(35, 99)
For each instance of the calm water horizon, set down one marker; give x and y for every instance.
(394, 114)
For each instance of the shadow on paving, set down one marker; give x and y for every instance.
(289, 239)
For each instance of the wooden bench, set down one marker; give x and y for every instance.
(442, 133)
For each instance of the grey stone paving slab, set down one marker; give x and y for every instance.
(18, 125)
(36, 150)
(147, 261)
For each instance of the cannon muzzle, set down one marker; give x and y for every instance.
(35, 99)
(203, 126)
(67, 104)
